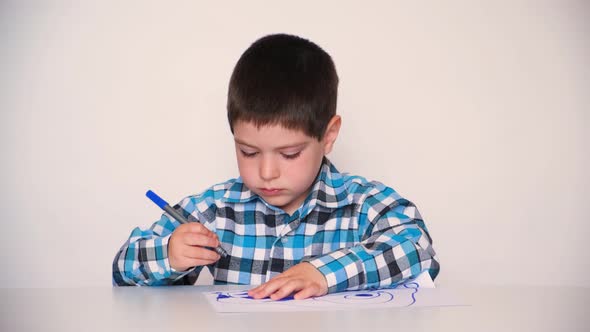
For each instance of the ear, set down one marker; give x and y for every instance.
(331, 133)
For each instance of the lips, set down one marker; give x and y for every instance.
(270, 191)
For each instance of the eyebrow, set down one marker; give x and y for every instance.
(237, 140)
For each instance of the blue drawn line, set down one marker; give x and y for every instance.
(370, 295)
(413, 293)
(375, 294)
(244, 295)
(223, 296)
(287, 298)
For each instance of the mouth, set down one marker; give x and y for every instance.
(270, 191)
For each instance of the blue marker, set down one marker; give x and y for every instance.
(166, 207)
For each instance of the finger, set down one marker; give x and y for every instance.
(196, 262)
(306, 292)
(287, 289)
(193, 239)
(264, 286)
(200, 253)
(254, 290)
(260, 288)
(196, 227)
(214, 236)
(200, 262)
(269, 288)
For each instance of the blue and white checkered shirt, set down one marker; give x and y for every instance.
(358, 234)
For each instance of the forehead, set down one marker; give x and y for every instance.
(274, 135)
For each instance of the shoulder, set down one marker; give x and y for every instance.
(212, 196)
(358, 186)
(376, 199)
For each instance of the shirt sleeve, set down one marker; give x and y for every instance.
(143, 259)
(395, 246)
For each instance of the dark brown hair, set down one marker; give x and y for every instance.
(287, 80)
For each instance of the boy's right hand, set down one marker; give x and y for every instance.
(185, 248)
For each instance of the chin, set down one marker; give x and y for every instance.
(276, 201)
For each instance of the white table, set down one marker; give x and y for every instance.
(184, 308)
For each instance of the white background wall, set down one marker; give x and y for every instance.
(478, 113)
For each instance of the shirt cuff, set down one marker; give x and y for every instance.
(343, 270)
(158, 262)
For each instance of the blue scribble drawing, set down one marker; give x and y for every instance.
(415, 287)
(400, 295)
(242, 296)
(374, 296)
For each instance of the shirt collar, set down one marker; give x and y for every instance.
(328, 190)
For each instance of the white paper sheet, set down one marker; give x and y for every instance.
(419, 292)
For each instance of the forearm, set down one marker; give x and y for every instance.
(143, 260)
(382, 260)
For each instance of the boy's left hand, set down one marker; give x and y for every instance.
(302, 279)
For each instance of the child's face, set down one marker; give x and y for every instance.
(279, 164)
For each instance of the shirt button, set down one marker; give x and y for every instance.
(284, 240)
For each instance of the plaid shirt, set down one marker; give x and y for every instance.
(358, 234)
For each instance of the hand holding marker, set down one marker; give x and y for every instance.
(166, 207)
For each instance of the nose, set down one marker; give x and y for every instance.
(269, 169)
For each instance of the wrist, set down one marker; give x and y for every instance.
(318, 277)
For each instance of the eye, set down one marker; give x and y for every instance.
(291, 155)
(248, 154)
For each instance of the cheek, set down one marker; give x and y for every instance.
(247, 168)
(305, 170)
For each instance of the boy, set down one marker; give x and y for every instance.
(291, 223)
